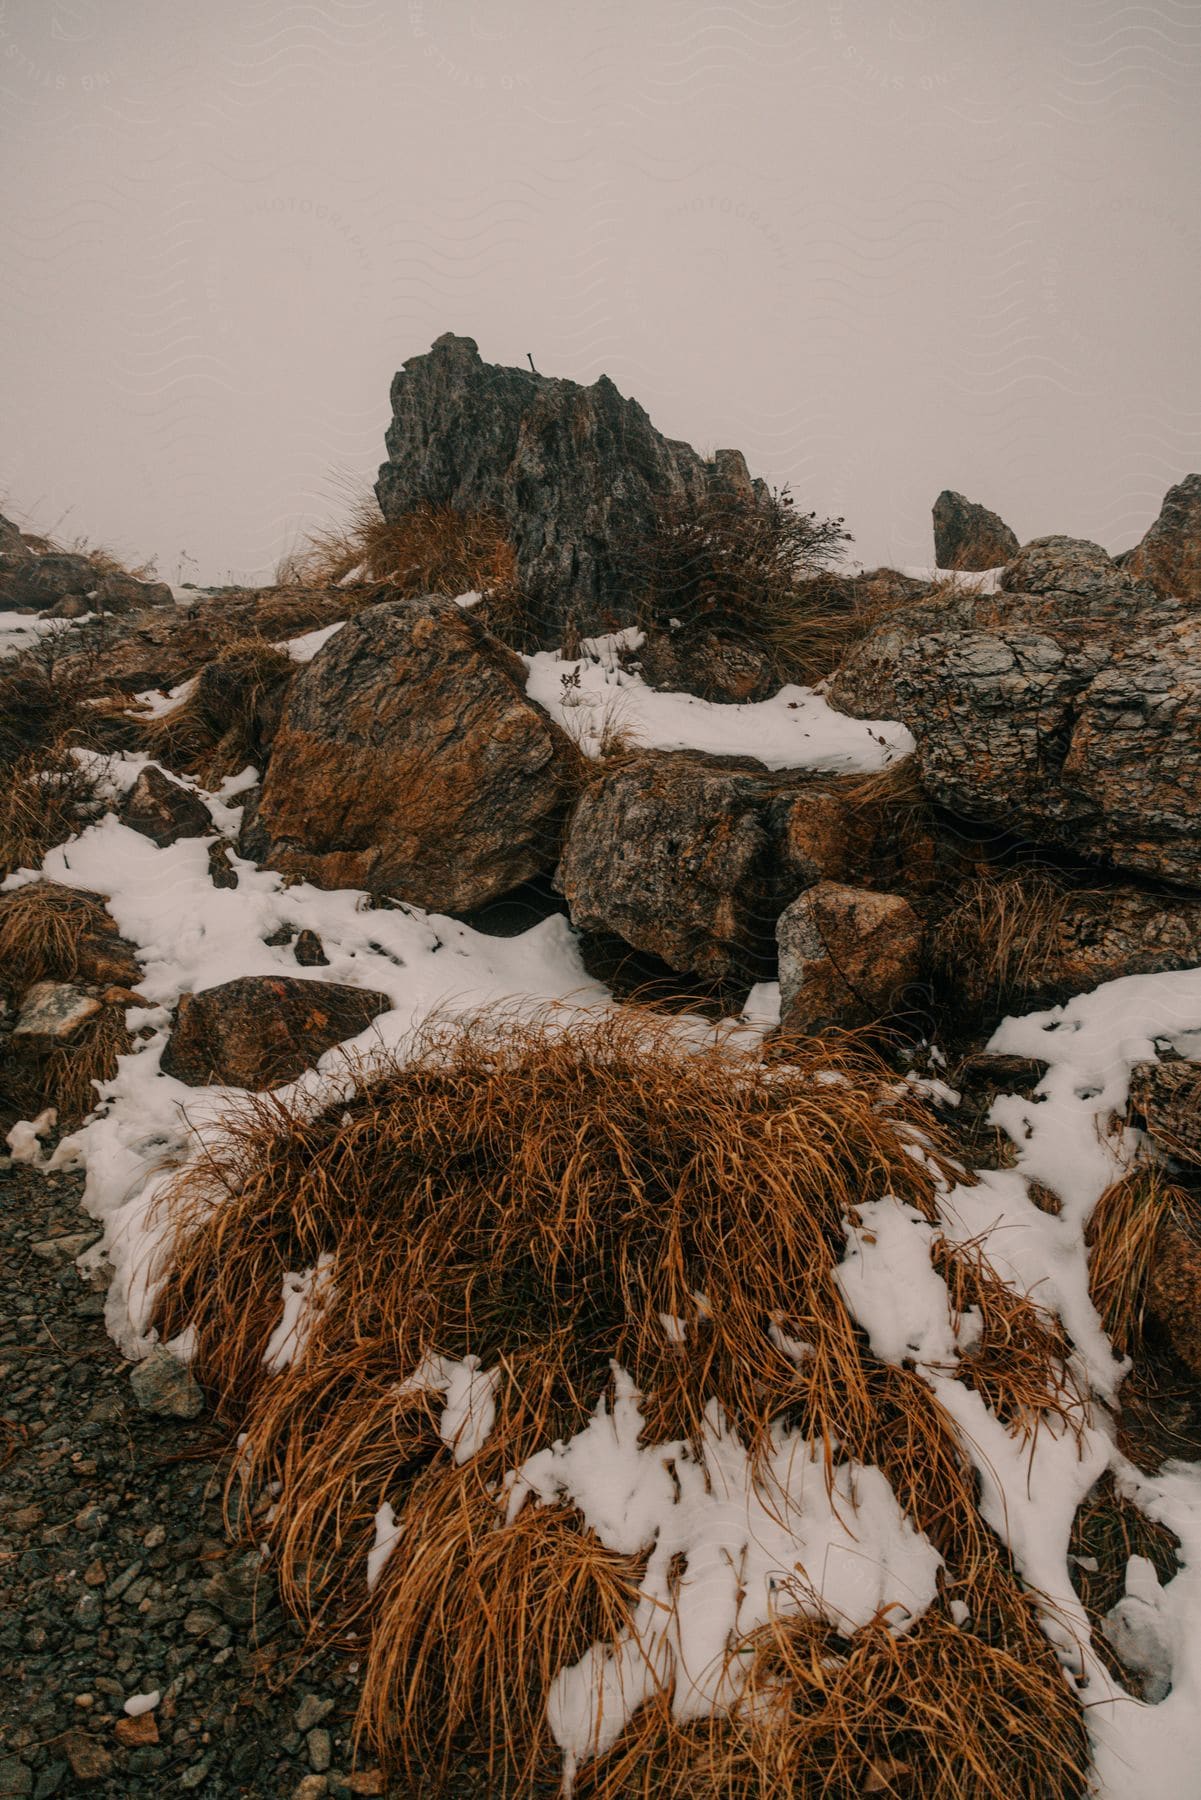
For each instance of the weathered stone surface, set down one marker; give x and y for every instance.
(1074, 941)
(968, 536)
(261, 1030)
(846, 957)
(1065, 565)
(575, 471)
(1071, 715)
(309, 951)
(166, 1387)
(1174, 1289)
(1166, 1098)
(714, 667)
(1169, 556)
(693, 858)
(53, 1012)
(163, 810)
(410, 762)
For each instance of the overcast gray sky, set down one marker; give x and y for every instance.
(882, 246)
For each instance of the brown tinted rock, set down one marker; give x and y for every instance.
(410, 762)
(164, 810)
(261, 1030)
(576, 472)
(1166, 1098)
(89, 1759)
(693, 661)
(1070, 941)
(309, 951)
(1169, 556)
(846, 957)
(1174, 1288)
(968, 536)
(1072, 717)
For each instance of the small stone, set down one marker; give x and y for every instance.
(366, 1781)
(64, 1249)
(16, 1778)
(49, 1781)
(85, 1701)
(137, 1731)
(163, 810)
(154, 1537)
(196, 1775)
(27, 1518)
(88, 1611)
(166, 1387)
(312, 1787)
(309, 951)
(89, 1760)
(320, 1749)
(94, 1574)
(312, 1711)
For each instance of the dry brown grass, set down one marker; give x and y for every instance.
(45, 798)
(1000, 946)
(539, 1197)
(1122, 1235)
(431, 550)
(43, 928)
(229, 718)
(1107, 1531)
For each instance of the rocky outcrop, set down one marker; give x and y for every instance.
(847, 955)
(1169, 556)
(66, 584)
(261, 1030)
(164, 810)
(968, 536)
(1066, 708)
(576, 473)
(712, 665)
(692, 858)
(409, 762)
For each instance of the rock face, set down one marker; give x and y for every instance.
(1067, 708)
(1166, 1098)
(575, 471)
(713, 666)
(968, 536)
(693, 858)
(409, 761)
(164, 810)
(1169, 556)
(261, 1030)
(846, 957)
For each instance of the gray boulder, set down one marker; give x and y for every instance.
(1067, 710)
(968, 536)
(574, 471)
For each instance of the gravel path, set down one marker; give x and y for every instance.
(116, 1576)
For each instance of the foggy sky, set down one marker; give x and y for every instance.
(882, 246)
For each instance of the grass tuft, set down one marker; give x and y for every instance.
(229, 719)
(540, 1193)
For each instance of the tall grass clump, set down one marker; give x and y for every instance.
(549, 1195)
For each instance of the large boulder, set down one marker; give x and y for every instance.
(692, 858)
(1169, 556)
(847, 956)
(410, 762)
(261, 1030)
(575, 471)
(1066, 708)
(968, 536)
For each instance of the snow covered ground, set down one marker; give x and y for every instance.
(860, 1552)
